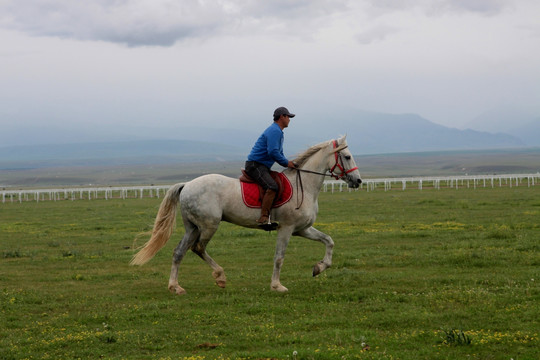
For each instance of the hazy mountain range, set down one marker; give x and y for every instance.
(367, 133)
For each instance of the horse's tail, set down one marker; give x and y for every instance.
(163, 226)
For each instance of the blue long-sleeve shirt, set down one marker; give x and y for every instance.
(268, 148)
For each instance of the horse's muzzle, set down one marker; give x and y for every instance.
(355, 184)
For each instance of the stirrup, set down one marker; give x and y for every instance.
(268, 226)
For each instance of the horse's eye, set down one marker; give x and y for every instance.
(347, 157)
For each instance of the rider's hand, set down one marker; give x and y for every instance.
(291, 165)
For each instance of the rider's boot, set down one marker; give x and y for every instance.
(267, 201)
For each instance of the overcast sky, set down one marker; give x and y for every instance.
(165, 62)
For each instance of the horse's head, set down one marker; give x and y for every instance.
(342, 165)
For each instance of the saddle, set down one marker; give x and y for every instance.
(252, 193)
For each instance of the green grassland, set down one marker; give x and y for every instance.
(432, 274)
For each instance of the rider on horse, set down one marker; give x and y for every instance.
(268, 150)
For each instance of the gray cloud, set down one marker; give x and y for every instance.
(532, 30)
(439, 7)
(130, 22)
(377, 33)
(483, 7)
(162, 22)
(165, 22)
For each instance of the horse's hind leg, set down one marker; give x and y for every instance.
(314, 234)
(189, 239)
(199, 248)
(218, 273)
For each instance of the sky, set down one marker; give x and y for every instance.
(162, 62)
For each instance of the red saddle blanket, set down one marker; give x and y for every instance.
(252, 193)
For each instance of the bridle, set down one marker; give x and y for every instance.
(338, 164)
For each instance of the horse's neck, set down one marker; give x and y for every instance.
(317, 163)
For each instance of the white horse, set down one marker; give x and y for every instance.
(210, 199)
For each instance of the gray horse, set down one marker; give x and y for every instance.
(210, 199)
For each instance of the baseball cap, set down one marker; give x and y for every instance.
(282, 111)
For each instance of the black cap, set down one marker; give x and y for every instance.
(282, 111)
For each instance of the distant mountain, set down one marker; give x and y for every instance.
(500, 120)
(115, 153)
(367, 133)
(372, 133)
(529, 133)
(509, 121)
(70, 133)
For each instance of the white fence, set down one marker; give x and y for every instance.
(387, 184)
(84, 193)
(465, 181)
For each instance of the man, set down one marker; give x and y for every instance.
(268, 150)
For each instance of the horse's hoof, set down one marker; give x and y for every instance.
(319, 268)
(279, 288)
(221, 280)
(177, 289)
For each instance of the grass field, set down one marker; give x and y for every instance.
(432, 274)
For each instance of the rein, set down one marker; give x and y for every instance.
(338, 164)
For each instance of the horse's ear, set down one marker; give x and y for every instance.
(342, 143)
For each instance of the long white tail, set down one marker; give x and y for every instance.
(163, 226)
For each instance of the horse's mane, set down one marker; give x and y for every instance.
(303, 157)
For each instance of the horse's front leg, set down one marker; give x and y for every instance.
(284, 234)
(314, 234)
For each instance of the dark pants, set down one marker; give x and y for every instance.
(261, 174)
